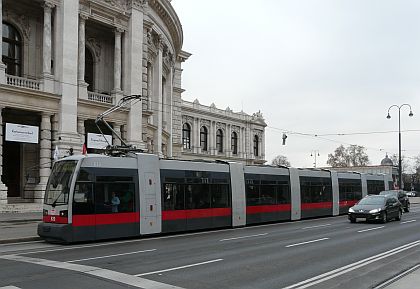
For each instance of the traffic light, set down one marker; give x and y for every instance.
(284, 137)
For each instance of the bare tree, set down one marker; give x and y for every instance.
(353, 155)
(404, 162)
(280, 161)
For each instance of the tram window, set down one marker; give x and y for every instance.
(85, 175)
(173, 197)
(315, 190)
(197, 196)
(83, 199)
(252, 195)
(283, 192)
(113, 179)
(114, 198)
(268, 193)
(220, 196)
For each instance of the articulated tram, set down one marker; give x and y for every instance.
(94, 197)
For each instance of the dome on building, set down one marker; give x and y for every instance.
(387, 161)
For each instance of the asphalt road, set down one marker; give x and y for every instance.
(317, 253)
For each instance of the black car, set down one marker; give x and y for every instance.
(401, 196)
(376, 208)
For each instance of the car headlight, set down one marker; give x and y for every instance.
(351, 210)
(374, 211)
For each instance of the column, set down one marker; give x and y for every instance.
(81, 130)
(82, 49)
(263, 145)
(197, 135)
(158, 98)
(228, 140)
(133, 57)
(212, 144)
(117, 129)
(44, 157)
(171, 109)
(47, 78)
(116, 92)
(67, 73)
(2, 65)
(3, 188)
(244, 147)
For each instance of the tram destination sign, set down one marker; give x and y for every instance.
(98, 141)
(22, 133)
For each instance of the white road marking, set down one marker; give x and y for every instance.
(316, 226)
(10, 287)
(95, 271)
(307, 242)
(345, 269)
(371, 229)
(109, 256)
(177, 268)
(383, 285)
(410, 221)
(243, 237)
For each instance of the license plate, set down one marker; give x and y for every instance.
(360, 219)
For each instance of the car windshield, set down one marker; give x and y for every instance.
(372, 201)
(389, 193)
(58, 187)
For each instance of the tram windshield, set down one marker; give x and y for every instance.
(59, 183)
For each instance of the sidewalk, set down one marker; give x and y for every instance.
(19, 227)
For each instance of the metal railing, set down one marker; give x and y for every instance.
(22, 82)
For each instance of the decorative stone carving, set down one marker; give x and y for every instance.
(258, 116)
(120, 4)
(21, 21)
(187, 119)
(205, 122)
(97, 47)
(236, 129)
(220, 125)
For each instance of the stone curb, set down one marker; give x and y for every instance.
(20, 240)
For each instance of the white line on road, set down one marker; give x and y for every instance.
(109, 256)
(243, 237)
(94, 271)
(340, 271)
(9, 287)
(316, 226)
(308, 242)
(371, 229)
(177, 268)
(410, 221)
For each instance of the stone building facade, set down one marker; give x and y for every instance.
(66, 61)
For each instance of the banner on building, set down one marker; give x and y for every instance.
(98, 141)
(22, 133)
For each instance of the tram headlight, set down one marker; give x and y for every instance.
(45, 212)
(64, 213)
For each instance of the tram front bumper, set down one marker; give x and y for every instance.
(55, 232)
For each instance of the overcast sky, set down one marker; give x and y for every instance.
(311, 66)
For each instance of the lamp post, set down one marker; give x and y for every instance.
(314, 154)
(399, 137)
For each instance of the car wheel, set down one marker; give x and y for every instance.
(352, 220)
(407, 209)
(398, 218)
(384, 218)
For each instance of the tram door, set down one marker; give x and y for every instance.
(150, 194)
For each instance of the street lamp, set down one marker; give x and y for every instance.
(399, 137)
(314, 154)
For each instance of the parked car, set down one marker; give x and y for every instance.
(401, 196)
(411, 194)
(376, 208)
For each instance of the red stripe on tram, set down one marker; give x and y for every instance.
(312, 206)
(348, 203)
(195, 214)
(268, 209)
(106, 219)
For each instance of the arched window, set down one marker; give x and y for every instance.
(234, 147)
(219, 140)
(203, 138)
(12, 50)
(89, 69)
(256, 144)
(186, 136)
